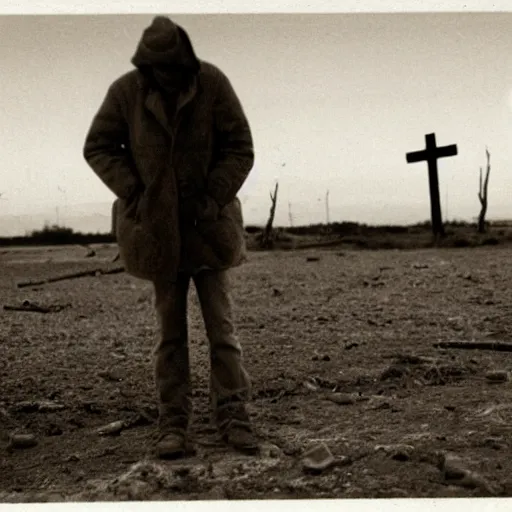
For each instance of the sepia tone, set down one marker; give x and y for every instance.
(185, 353)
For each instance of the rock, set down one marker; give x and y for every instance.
(22, 441)
(276, 292)
(312, 258)
(50, 406)
(455, 473)
(310, 385)
(112, 429)
(317, 459)
(341, 398)
(401, 452)
(495, 443)
(110, 375)
(497, 376)
(38, 406)
(270, 451)
(72, 458)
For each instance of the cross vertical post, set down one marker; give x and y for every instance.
(431, 154)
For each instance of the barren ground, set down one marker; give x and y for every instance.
(329, 345)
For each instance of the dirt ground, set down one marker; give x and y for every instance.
(340, 347)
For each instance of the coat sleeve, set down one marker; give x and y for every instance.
(106, 147)
(234, 152)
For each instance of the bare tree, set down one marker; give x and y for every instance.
(327, 208)
(267, 237)
(482, 193)
(290, 216)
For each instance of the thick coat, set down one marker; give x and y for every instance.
(155, 165)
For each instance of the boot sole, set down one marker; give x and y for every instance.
(249, 449)
(166, 455)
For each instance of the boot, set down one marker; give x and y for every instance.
(171, 445)
(235, 426)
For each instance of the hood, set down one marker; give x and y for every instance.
(165, 43)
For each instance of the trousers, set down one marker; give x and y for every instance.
(230, 384)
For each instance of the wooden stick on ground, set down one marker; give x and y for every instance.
(477, 345)
(74, 275)
(36, 308)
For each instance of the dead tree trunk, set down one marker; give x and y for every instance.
(482, 193)
(267, 237)
(327, 216)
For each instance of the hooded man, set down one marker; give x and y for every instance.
(172, 142)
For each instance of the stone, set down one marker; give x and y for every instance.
(401, 452)
(455, 473)
(22, 441)
(317, 459)
(112, 429)
(497, 376)
(341, 398)
(270, 451)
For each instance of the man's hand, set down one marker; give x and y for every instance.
(207, 208)
(199, 208)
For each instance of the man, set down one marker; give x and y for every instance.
(172, 142)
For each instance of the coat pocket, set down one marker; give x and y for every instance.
(138, 246)
(216, 244)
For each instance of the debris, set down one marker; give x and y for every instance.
(401, 452)
(276, 292)
(494, 442)
(74, 275)
(497, 376)
(111, 375)
(38, 406)
(341, 398)
(476, 345)
(21, 441)
(455, 473)
(349, 346)
(112, 429)
(26, 305)
(312, 258)
(312, 386)
(318, 459)
(90, 252)
(270, 451)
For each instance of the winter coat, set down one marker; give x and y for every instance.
(157, 164)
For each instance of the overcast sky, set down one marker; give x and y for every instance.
(334, 101)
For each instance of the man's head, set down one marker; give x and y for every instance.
(166, 53)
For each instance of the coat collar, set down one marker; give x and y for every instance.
(154, 101)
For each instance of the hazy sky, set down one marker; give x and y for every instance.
(334, 101)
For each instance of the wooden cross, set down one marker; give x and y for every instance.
(430, 154)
